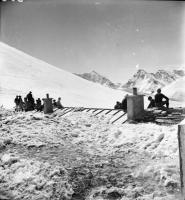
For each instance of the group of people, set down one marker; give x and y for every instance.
(160, 100)
(30, 104)
(122, 105)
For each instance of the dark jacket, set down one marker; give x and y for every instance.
(159, 99)
(152, 103)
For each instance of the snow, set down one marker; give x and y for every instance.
(58, 157)
(21, 73)
(176, 90)
(130, 161)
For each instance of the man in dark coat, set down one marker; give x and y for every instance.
(29, 96)
(31, 101)
(54, 103)
(20, 103)
(159, 99)
(59, 105)
(152, 102)
(38, 105)
(25, 104)
(124, 103)
(118, 105)
(16, 101)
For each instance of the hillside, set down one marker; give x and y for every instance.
(21, 73)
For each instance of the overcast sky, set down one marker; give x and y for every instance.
(112, 37)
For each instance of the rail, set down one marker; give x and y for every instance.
(115, 115)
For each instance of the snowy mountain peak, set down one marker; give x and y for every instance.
(148, 82)
(141, 71)
(94, 72)
(97, 78)
(141, 74)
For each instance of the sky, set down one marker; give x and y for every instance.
(112, 37)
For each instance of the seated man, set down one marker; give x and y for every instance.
(16, 101)
(118, 105)
(159, 99)
(124, 103)
(38, 105)
(54, 103)
(59, 105)
(152, 102)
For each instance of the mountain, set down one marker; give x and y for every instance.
(97, 78)
(21, 73)
(144, 81)
(149, 82)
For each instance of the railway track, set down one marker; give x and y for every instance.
(118, 116)
(114, 115)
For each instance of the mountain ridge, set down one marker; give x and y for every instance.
(144, 81)
(97, 78)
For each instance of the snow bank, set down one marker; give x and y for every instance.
(88, 156)
(33, 179)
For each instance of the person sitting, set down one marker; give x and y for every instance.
(54, 103)
(58, 103)
(25, 105)
(159, 99)
(118, 105)
(38, 105)
(31, 101)
(20, 103)
(124, 103)
(16, 101)
(152, 102)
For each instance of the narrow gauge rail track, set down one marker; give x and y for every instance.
(118, 116)
(115, 115)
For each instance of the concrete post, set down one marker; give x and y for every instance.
(48, 107)
(135, 106)
(134, 91)
(181, 141)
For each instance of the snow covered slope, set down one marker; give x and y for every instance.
(20, 73)
(176, 90)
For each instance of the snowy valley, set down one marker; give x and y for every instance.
(80, 156)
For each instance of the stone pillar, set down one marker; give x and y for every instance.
(134, 91)
(48, 107)
(135, 106)
(181, 142)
